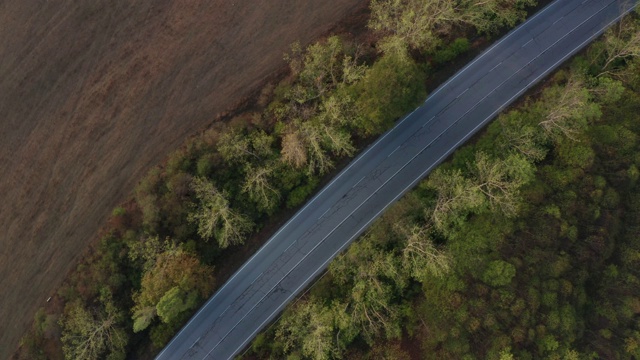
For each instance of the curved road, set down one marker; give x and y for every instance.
(391, 166)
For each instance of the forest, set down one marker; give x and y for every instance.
(520, 246)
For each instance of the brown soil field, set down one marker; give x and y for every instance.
(93, 93)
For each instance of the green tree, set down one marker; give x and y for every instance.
(391, 87)
(174, 285)
(314, 330)
(374, 278)
(456, 196)
(489, 16)
(519, 135)
(621, 43)
(310, 143)
(339, 110)
(174, 302)
(421, 257)
(568, 109)
(499, 273)
(258, 184)
(146, 195)
(632, 344)
(422, 24)
(320, 69)
(237, 146)
(500, 180)
(146, 250)
(419, 24)
(215, 217)
(93, 333)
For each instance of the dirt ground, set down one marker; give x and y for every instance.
(93, 93)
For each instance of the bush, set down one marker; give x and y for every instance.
(390, 88)
(458, 47)
(119, 211)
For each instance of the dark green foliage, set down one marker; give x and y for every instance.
(458, 47)
(390, 88)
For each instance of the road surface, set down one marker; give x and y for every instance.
(387, 169)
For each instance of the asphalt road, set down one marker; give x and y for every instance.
(387, 169)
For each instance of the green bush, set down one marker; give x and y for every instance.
(390, 88)
(458, 47)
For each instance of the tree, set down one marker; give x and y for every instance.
(170, 288)
(499, 273)
(632, 344)
(500, 180)
(215, 217)
(419, 24)
(339, 110)
(93, 333)
(147, 249)
(387, 351)
(456, 195)
(146, 195)
(506, 354)
(372, 310)
(236, 146)
(422, 24)
(374, 278)
(420, 256)
(174, 302)
(258, 185)
(568, 110)
(320, 69)
(294, 151)
(521, 136)
(493, 182)
(621, 43)
(309, 143)
(315, 330)
(391, 87)
(489, 16)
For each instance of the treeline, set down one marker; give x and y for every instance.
(524, 245)
(156, 262)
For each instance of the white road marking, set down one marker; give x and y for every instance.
(396, 149)
(462, 93)
(324, 213)
(493, 68)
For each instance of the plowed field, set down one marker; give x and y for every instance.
(95, 92)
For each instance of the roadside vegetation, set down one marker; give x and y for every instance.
(524, 245)
(456, 266)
